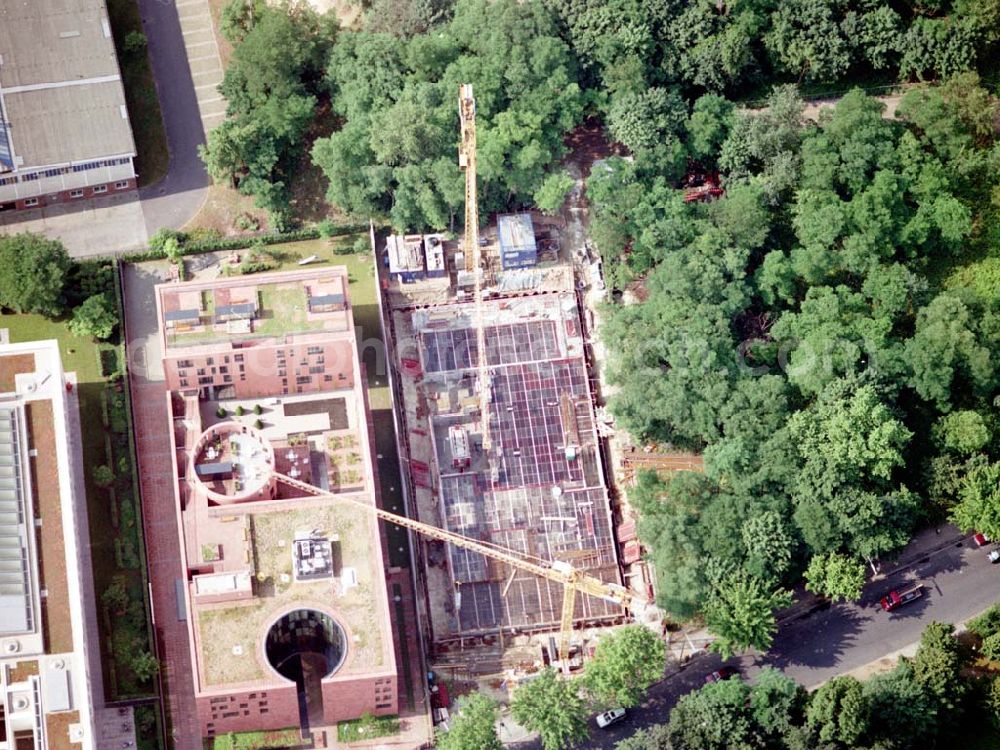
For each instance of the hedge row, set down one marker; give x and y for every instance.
(239, 243)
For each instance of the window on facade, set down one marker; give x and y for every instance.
(318, 369)
(200, 371)
(100, 188)
(75, 193)
(314, 350)
(184, 382)
(31, 201)
(302, 380)
(121, 185)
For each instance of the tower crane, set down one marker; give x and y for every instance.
(572, 580)
(473, 252)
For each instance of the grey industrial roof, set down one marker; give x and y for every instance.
(59, 82)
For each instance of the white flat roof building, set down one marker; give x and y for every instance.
(46, 660)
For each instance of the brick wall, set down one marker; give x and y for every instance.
(349, 699)
(69, 196)
(249, 710)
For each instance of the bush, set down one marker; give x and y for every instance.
(258, 424)
(158, 240)
(240, 411)
(221, 412)
(987, 624)
(135, 43)
(326, 229)
(103, 476)
(258, 409)
(247, 223)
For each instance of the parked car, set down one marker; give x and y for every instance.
(721, 674)
(896, 599)
(980, 539)
(994, 556)
(612, 716)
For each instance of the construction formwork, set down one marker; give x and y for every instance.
(541, 490)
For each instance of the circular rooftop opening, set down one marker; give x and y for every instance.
(305, 645)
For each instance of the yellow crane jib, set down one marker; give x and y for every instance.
(573, 580)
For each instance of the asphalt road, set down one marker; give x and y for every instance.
(176, 198)
(959, 583)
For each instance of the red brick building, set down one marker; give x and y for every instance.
(285, 587)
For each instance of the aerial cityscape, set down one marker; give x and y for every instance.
(484, 374)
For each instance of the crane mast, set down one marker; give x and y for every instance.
(473, 252)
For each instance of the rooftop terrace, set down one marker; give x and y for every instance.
(225, 310)
(231, 634)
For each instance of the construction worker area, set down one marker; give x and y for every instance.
(491, 380)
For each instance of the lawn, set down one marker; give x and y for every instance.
(140, 95)
(280, 738)
(367, 727)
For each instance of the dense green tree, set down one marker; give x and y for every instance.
(902, 715)
(96, 317)
(395, 154)
(765, 145)
(849, 442)
(551, 194)
(776, 702)
(270, 87)
(739, 612)
(963, 432)
(937, 668)
(835, 576)
(33, 272)
(769, 545)
(807, 39)
(624, 666)
(949, 345)
(978, 508)
(472, 726)
(552, 707)
(839, 712)
(716, 717)
(656, 737)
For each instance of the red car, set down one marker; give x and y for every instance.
(899, 598)
(980, 539)
(721, 674)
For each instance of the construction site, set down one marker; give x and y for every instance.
(503, 448)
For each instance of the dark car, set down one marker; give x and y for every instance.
(724, 673)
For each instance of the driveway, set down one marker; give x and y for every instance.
(187, 69)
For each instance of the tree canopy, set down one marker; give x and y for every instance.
(33, 273)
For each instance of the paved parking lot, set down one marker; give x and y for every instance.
(203, 58)
(100, 226)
